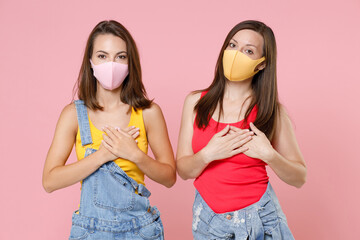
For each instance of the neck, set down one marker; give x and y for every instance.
(108, 99)
(237, 89)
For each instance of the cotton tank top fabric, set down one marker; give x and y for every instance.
(233, 183)
(130, 168)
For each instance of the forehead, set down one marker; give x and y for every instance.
(247, 36)
(109, 42)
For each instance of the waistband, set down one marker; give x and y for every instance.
(116, 226)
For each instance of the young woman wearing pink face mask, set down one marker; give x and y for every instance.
(230, 132)
(111, 126)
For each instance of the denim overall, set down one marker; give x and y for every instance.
(110, 208)
(263, 220)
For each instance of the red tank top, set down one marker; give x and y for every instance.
(233, 183)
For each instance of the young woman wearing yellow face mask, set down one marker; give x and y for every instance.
(229, 132)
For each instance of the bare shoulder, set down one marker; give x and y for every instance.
(69, 112)
(191, 99)
(68, 117)
(153, 118)
(152, 112)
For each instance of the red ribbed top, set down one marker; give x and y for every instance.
(233, 183)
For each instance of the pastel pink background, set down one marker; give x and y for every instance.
(41, 47)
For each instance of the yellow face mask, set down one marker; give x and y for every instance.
(238, 66)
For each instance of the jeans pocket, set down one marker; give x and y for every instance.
(152, 231)
(111, 193)
(78, 233)
(269, 217)
(280, 232)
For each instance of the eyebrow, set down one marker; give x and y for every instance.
(250, 45)
(246, 44)
(108, 53)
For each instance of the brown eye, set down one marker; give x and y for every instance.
(232, 45)
(101, 56)
(122, 57)
(248, 51)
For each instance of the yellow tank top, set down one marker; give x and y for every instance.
(130, 168)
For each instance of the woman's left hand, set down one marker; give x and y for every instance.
(120, 143)
(259, 147)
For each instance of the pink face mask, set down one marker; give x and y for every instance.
(110, 74)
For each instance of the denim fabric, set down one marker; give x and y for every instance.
(83, 121)
(112, 204)
(263, 220)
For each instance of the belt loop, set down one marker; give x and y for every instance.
(92, 225)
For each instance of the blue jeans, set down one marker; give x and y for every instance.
(112, 204)
(263, 220)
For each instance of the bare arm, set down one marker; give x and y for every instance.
(284, 157)
(287, 161)
(224, 144)
(162, 168)
(56, 174)
(189, 165)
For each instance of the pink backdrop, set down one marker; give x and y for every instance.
(41, 46)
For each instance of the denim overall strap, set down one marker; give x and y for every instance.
(83, 121)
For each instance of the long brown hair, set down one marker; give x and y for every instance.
(132, 89)
(264, 84)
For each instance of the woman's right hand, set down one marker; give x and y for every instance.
(107, 155)
(226, 143)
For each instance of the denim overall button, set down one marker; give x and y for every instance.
(242, 220)
(228, 217)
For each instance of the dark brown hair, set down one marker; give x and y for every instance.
(264, 84)
(132, 89)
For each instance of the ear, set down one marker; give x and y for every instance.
(260, 66)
